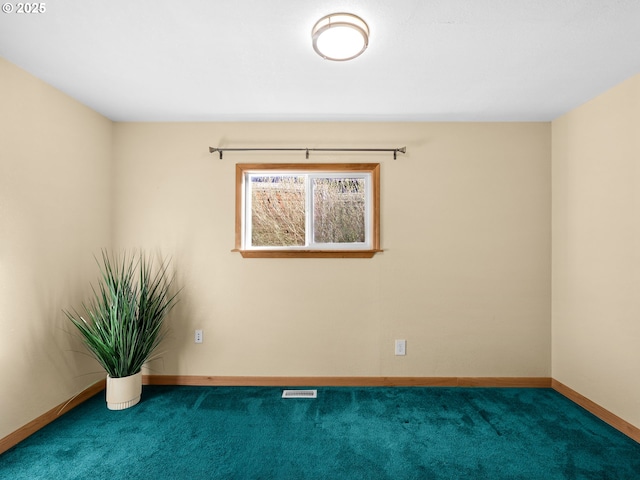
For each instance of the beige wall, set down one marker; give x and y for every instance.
(596, 250)
(54, 215)
(464, 278)
(466, 229)
(465, 275)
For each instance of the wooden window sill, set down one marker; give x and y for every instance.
(307, 253)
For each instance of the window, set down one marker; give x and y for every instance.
(308, 210)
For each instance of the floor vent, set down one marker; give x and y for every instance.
(299, 394)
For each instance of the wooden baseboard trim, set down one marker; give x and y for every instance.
(602, 413)
(33, 426)
(195, 380)
(258, 381)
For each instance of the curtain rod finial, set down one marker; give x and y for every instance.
(213, 150)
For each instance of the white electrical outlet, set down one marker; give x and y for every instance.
(401, 347)
(198, 336)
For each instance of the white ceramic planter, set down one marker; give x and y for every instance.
(124, 392)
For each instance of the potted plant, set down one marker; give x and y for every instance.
(124, 321)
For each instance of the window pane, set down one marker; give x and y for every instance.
(277, 211)
(338, 210)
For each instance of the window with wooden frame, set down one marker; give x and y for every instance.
(308, 210)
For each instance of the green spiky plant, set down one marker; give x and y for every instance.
(123, 322)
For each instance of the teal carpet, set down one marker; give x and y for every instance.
(346, 433)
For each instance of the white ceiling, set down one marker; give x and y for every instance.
(252, 60)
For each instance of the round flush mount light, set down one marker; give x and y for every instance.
(340, 36)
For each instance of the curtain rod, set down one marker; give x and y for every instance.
(307, 150)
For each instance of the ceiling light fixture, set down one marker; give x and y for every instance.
(340, 36)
